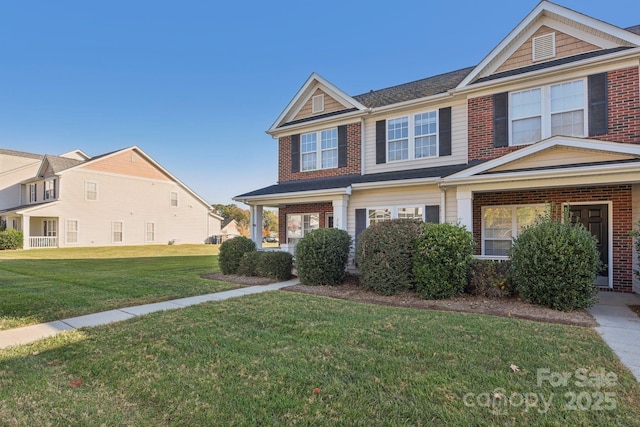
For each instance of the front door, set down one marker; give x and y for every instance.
(595, 219)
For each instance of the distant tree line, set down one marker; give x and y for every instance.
(243, 218)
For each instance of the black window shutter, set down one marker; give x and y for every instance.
(444, 130)
(432, 214)
(381, 141)
(598, 108)
(501, 119)
(35, 192)
(342, 146)
(295, 153)
(361, 221)
(54, 188)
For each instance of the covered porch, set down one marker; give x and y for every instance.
(39, 231)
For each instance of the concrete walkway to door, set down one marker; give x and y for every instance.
(32, 333)
(620, 326)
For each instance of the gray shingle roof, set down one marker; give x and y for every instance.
(58, 164)
(21, 154)
(635, 29)
(347, 180)
(413, 90)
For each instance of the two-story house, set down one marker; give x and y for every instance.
(118, 198)
(551, 116)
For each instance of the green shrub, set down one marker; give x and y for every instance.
(231, 252)
(11, 239)
(489, 278)
(321, 256)
(441, 262)
(248, 265)
(275, 264)
(384, 256)
(555, 263)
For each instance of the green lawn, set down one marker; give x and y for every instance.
(282, 358)
(49, 284)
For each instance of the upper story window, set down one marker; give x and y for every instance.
(319, 150)
(50, 189)
(91, 190)
(537, 114)
(412, 137)
(174, 199)
(32, 193)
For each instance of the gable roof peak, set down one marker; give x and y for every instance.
(610, 36)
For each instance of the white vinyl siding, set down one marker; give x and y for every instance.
(459, 139)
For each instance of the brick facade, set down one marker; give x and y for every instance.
(353, 158)
(624, 116)
(619, 195)
(320, 208)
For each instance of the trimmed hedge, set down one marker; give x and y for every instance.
(321, 256)
(248, 265)
(555, 263)
(275, 264)
(231, 252)
(441, 262)
(490, 278)
(384, 256)
(11, 239)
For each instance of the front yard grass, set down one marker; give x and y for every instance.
(283, 358)
(50, 284)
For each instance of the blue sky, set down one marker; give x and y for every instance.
(195, 84)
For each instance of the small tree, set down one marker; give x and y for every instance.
(554, 263)
(321, 256)
(384, 255)
(11, 239)
(231, 252)
(441, 262)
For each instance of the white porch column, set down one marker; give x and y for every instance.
(26, 231)
(340, 212)
(256, 225)
(465, 208)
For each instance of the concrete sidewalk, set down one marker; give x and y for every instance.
(620, 327)
(29, 334)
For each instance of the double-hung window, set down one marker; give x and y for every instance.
(72, 231)
(173, 202)
(32, 193)
(117, 229)
(91, 190)
(376, 215)
(298, 225)
(50, 189)
(537, 114)
(150, 232)
(319, 150)
(501, 224)
(412, 137)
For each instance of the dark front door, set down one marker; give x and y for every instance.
(595, 219)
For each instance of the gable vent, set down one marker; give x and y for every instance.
(544, 47)
(317, 104)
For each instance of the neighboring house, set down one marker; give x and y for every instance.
(551, 114)
(230, 229)
(119, 198)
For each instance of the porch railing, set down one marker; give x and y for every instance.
(43, 242)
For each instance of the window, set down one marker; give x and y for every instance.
(319, 156)
(375, 215)
(91, 190)
(174, 199)
(72, 231)
(50, 189)
(50, 228)
(317, 104)
(117, 228)
(412, 137)
(32, 193)
(500, 224)
(543, 112)
(298, 225)
(150, 232)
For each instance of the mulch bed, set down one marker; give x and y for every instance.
(503, 307)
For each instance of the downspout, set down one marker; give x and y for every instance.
(362, 145)
(443, 204)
